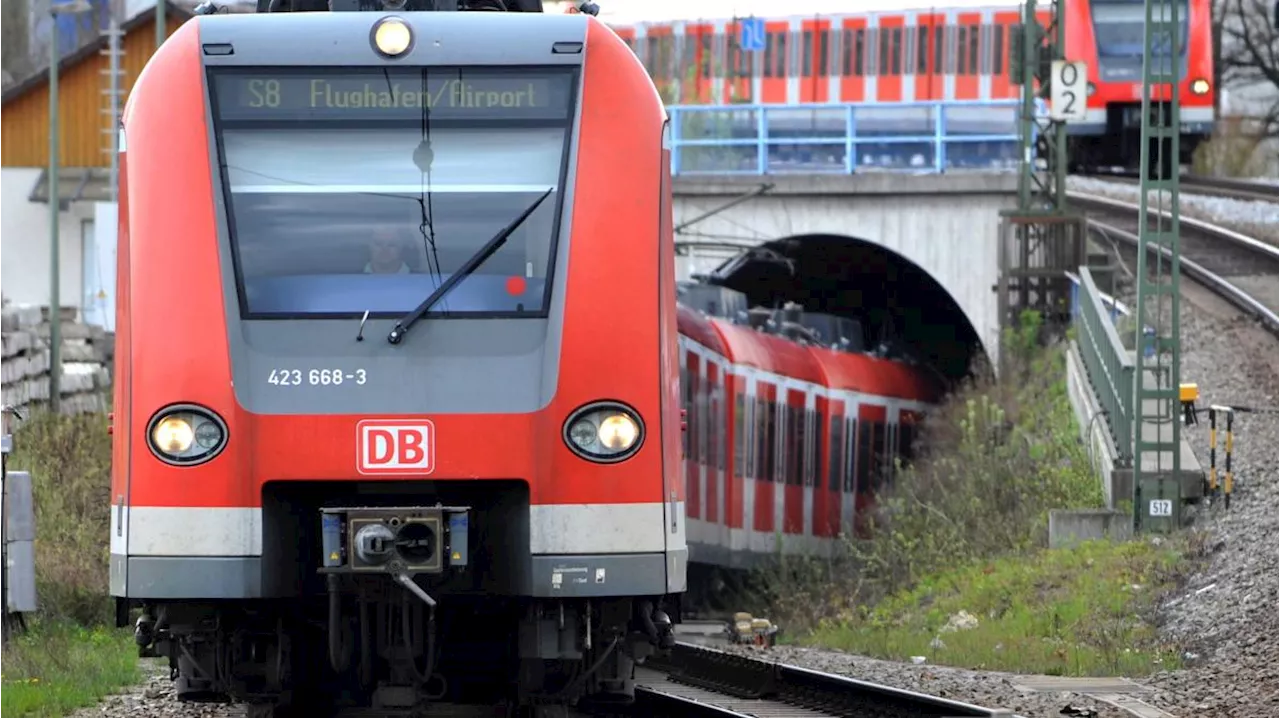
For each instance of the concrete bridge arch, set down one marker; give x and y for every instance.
(933, 240)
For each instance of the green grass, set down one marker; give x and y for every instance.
(59, 667)
(1079, 611)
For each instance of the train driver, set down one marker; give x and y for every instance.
(385, 252)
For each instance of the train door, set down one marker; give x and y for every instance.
(739, 65)
(889, 59)
(1001, 41)
(871, 424)
(968, 49)
(669, 362)
(121, 405)
(849, 468)
(793, 482)
(815, 55)
(929, 65)
(853, 58)
(773, 74)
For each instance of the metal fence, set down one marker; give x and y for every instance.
(844, 138)
(1109, 364)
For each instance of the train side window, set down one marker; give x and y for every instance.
(703, 419)
(922, 49)
(684, 401)
(768, 449)
(695, 421)
(770, 40)
(879, 442)
(816, 423)
(739, 433)
(851, 452)
(962, 50)
(835, 437)
(895, 51)
(860, 52)
(806, 61)
(846, 53)
(882, 67)
(997, 50)
(824, 52)
(717, 434)
(939, 46)
(865, 451)
(795, 445)
(750, 440)
(707, 62)
(974, 52)
(706, 445)
(780, 57)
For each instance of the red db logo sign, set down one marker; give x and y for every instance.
(395, 446)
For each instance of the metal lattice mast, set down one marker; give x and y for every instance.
(113, 93)
(1041, 241)
(1158, 454)
(1040, 187)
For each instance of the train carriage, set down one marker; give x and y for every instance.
(368, 450)
(810, 428)
(955, 52)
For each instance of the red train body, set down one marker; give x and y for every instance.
(954, 51)
(787, 440)
(318, 500)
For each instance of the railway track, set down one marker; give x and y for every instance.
(1239, 269)
(701, 681)
(1211, 186)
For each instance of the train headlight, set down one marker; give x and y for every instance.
(1200, 87)
(392, 37)
(605, 432)
(184, 435)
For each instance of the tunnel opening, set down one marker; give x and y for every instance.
(903, 310)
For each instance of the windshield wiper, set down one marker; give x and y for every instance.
(408, 320)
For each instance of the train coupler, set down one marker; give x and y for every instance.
(398, 541)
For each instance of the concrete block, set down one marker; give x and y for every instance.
(1071, 526)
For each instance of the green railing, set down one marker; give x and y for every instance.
(1109, 364)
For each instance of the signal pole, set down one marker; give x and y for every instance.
(1158, 374)
(1041, 241)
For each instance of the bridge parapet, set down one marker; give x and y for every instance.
(1109, 365)
(844, 138)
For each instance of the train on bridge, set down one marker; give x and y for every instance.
(398, 413)
(916, 55)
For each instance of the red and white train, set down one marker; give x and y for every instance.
(956, 51)
(791, 427)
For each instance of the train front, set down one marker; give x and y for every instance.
(1109, 36)
(397, 410)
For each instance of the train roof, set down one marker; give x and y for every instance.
(697, 326)
(770, 353)
(873, 375)
(624, 13)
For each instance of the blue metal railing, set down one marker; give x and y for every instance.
(843, 138)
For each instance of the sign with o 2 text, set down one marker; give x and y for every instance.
(1069, 91)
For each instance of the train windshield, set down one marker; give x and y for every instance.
(359, 190)
(1118, 26)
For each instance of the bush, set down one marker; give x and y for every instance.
(991, 462)
(1237, 149)
(69, 458)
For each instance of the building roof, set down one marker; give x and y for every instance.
(90, 50)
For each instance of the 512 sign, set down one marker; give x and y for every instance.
(316, 377)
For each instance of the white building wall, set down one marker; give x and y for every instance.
(24, 243)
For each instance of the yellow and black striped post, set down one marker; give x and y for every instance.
(1230, 413)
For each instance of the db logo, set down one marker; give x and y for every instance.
(396, 446)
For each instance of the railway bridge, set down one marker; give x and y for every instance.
(894, 220)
